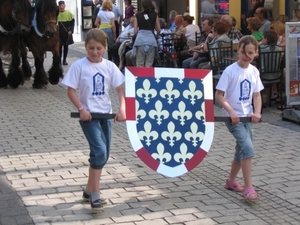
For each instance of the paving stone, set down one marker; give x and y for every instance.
(44, 160)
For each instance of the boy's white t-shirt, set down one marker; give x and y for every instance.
(94, 81)
(239, 84)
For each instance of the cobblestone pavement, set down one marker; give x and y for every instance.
(43, 168)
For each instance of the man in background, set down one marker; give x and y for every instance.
(97, 5)
(172, 15)
(66, 24)
(118, 17)
(262, 14)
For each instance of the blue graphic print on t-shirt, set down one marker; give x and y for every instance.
(245, 88)
(98, 84)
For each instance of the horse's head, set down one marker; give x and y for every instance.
(47, 12)
(21, 15)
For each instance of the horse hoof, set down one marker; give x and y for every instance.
(38, 86)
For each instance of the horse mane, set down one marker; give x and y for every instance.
(46, 6)
(25, 5)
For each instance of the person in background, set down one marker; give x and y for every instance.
(129, 12)
(93, 76)
(97, 6)
(145, 45)
(125, 35)
(255, 4)
(208, 8)
(172, 16)
(219, 35)
(279, 29)
(106, 22)
(32, 3)
(167, 33)
(179, 26)
(236, 97)
(283, 18)
(66, 24)
(118, 17)
(296, 15)
(197, 52)
(262, 14)
(270, 39)
(232, 32)
(253, 25)
(189, 32)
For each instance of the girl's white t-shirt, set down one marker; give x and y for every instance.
(94, 81)
(239, 84)
(106, 16)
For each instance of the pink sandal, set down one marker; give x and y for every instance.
(249, 192)
(234, 186)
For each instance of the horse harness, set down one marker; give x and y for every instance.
(34, 22)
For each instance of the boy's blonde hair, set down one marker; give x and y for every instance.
(98, 35)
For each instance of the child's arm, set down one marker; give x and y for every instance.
(224, 104)
(121, 115)
(84, 114)
(255, 118)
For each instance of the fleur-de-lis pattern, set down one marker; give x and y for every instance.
(174, 125)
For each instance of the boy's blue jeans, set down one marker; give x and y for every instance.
(98, 135)
(242, 132)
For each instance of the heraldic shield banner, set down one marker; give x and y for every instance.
(170, 117)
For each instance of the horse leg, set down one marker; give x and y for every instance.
(15, 75)
(3, 80)
(40, 78)
(56, 71)
(25, 64)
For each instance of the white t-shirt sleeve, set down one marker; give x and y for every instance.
(72, 78)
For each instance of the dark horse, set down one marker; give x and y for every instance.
(44, 36)
(15, 19)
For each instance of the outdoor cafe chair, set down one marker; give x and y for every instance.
(270, 64)
(220, 55)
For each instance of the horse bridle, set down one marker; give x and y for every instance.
(45, 23)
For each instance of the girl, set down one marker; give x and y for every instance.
(238, 86)
(106, 21)
(94, 75)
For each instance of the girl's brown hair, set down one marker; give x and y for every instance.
(246, 40)
(98, 35)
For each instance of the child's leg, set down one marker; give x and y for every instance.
(93, 180)
(247, 170)
(235, 168)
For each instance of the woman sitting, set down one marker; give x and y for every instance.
(189, 31)
(219, 35)
(253, 26)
